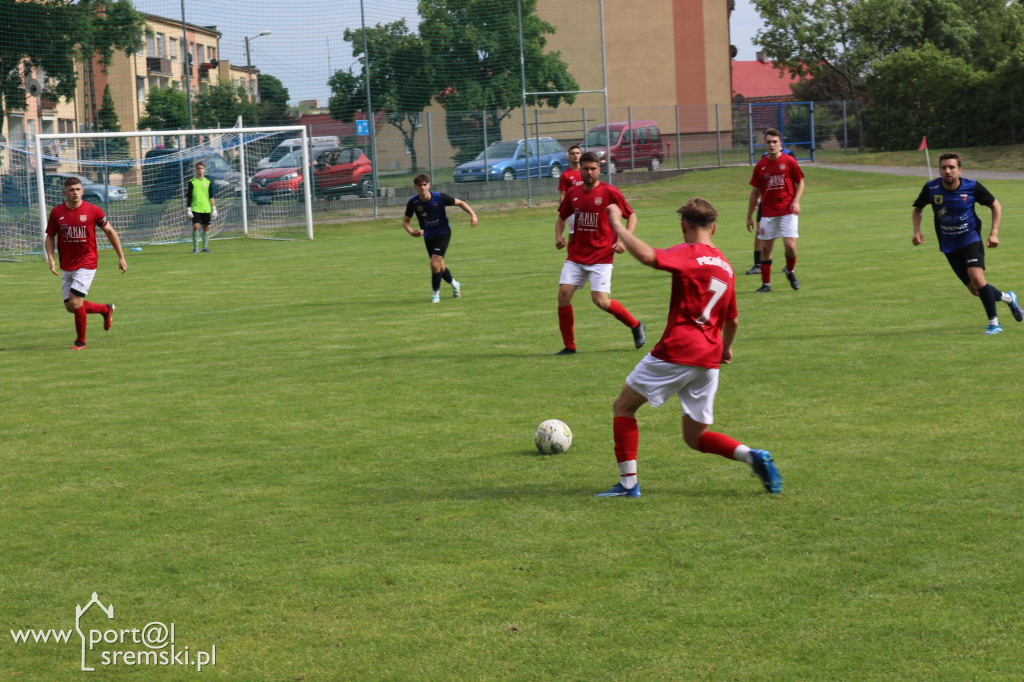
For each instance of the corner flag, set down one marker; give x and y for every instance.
(928, 157)
(924, 144)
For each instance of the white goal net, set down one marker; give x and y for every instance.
(139, 180)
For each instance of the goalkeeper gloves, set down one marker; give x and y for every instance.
(213, 212)
(189, 211)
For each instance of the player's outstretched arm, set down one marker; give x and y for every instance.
(915, 217)
(635, 245)
(559, 231)
(407, 224)
(48, 248)
(468, 209)
(997, 216)
(729, 329)
(115, 241)
(755, 196)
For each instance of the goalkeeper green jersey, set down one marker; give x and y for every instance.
(199, 195)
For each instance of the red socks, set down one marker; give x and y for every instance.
(565, 325)
(621, 314)
(627, 438)
(80, 316)
(718, 444)
(790, 263)
(766, 272)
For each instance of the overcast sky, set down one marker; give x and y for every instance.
(306, 46)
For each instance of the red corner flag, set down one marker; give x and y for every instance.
(924, 144)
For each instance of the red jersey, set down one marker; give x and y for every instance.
(570, 178)
(777, 179)
(703, 298)
(75, 232)
(593, 236)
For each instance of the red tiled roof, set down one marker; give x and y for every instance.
(757, 79)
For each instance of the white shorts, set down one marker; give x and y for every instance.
(599, 276)
(80, 280)
(779, 226)
(657, 380)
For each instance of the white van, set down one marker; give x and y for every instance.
(291, 144)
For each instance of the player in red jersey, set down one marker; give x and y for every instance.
(73, 225)
(570, 176)
(778, 183)
(591, 250)
(701, 326)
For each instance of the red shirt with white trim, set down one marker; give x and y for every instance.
(703, 298)
(570, 178)
(75, 232)
(777, 179)
(593, 236)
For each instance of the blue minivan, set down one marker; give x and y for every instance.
(507, 160)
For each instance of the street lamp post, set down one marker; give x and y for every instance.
(248, 60)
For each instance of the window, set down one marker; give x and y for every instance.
(627, 137)
(211, 53)
(140, 88)
(200, 54)
(151, 46)
(174, 49)
(161, 45)
(641, 135)
(655, 134)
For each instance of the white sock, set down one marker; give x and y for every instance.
(1006, 297)
(742, 454)
(627, 474)
(994, 321)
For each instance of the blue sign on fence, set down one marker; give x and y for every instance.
(362, 127)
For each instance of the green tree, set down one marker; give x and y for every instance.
(56, 36)
(401, 80)
(107, 122)
(474, 56)
(273, 101)
(220, 105)
(166, 109)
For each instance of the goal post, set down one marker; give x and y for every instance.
(139, 179)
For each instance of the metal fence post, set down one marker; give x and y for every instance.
(632, 139)
(487, 169)
(430, 144)
(718, 134)
(846, 139)
(679, 143)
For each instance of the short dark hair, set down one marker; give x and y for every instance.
(71, 181)
(574, 146)
(773, 132)
(951, 155)
(589, 157)
(698, 212)
(200, 163)
(420, 179)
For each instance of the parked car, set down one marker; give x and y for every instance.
(15, 190)
(507, 160)
(336, 171)
(316, 145)
(633, 145)
(163, 177)
(93, 192)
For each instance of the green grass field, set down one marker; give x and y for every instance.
(286, 451)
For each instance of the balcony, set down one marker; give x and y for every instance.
(158, 65)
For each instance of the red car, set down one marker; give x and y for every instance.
(335, 171)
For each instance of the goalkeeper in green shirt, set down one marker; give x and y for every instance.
(201, 206)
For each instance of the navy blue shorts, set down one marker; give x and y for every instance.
(971, 256)
(437, 246)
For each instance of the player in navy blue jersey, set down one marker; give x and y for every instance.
(429, 209)
(958, 228)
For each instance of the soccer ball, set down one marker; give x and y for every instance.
(552, 437)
